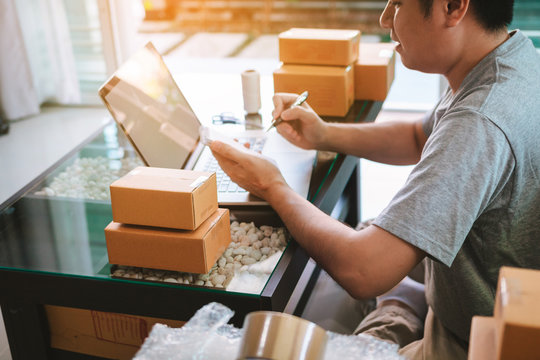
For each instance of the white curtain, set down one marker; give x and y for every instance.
(37, 39)
(18, 97)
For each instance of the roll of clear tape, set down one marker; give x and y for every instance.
(251, 91)
(273, 335)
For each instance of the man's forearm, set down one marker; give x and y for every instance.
(319, 234)
(396, 143)
(357, 260)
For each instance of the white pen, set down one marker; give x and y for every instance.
(299, 100)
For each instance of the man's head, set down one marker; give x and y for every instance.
(446, 37)
(493, 15)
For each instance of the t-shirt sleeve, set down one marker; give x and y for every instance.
(464, 165)
(427, 122)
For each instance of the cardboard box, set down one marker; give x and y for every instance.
(194, 251)
(97, 333)
(319, 46)
(331, 88)
(517, 314)
(374, 71)
(172, 198)
(482, 341)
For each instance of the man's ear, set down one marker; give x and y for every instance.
(455, 11)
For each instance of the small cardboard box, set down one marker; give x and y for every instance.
(172, 198)
(319, 46)
(374, 71)
(517, 314)
(331, 88)
(98, 333)
(194, 251)
(482, 341)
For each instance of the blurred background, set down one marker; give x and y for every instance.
(72, 46)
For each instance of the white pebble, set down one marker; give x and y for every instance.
(247, 260)
(119, 272)
(256, 254)
(219, 279)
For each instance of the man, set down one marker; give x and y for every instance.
(472, 202)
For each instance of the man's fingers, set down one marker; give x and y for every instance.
(229, 151)
(281, 102)
(294, 113)
(285, 128)
(223, 161)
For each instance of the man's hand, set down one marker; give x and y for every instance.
(301, 125)
(248, 169)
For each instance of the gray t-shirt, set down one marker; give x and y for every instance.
(472, 203)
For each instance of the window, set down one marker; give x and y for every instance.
(86, 37)
(527, 19)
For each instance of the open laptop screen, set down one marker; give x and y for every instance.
(146, 102)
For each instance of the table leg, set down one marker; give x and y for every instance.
(26, 330)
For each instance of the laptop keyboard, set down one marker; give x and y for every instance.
(224, 182)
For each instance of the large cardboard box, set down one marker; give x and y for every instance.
(374, 71)
(172, 198)
(517, 314)
(482, 341)
(331, 88)
(319, 46)
(194, 251)
(97, 333)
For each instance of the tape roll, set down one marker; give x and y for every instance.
(251, 90)
(273, 335)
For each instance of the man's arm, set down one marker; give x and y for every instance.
(366, 263)
(395, 142)
(392, 142)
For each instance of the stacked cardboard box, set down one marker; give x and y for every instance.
(167, 219)
(374, 71)
(514, 330)
(321, 62)
(335, 67)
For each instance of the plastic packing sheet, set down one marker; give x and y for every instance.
(207, 335)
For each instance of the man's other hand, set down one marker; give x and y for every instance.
(250, 170)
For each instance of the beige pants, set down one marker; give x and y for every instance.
(416, 339)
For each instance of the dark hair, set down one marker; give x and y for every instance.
(492, 14)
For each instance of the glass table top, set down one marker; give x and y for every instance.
(58, 227)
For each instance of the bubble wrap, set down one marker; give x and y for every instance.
(208, 336)
(205, 336)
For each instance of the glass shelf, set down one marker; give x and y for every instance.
(57, 227)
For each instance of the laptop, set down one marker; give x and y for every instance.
(149, 107)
